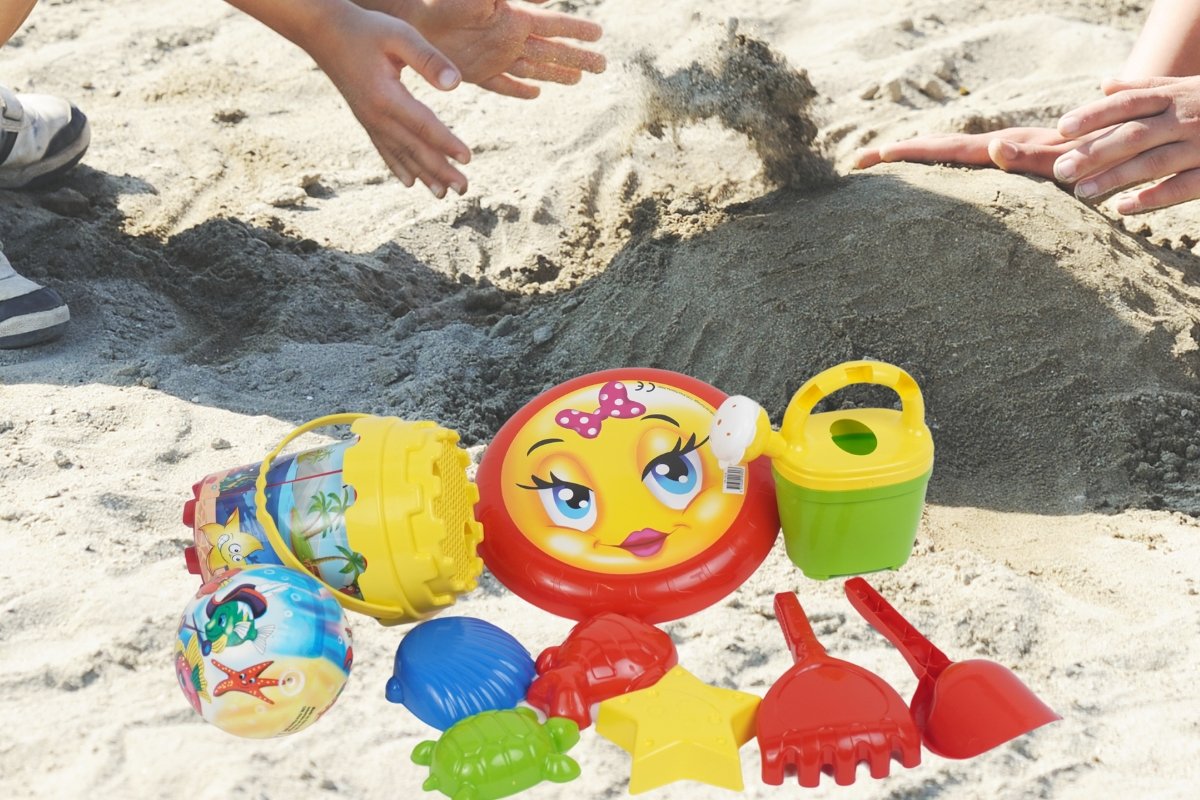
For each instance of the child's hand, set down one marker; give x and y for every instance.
(1154, 133)
(494, 43)
(363, 54)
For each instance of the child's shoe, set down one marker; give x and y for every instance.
(41, 137)
(29, 313)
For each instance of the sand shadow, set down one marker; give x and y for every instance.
(1054, 384)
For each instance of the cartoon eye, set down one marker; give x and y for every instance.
(674, 477)
(571, 505)
(235, 553)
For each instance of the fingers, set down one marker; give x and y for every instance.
(1113, 110)
(510, 87)
(1027, 159)
(1148, 166)
(540, 71)
(406, 158)
(1031, 151)
(575, 58)
(414, 116)
(410, 48)
(1179, 189)
(1121, 143)
(867, 157)
(428, 165)
(554, 24)
(1114, 85)
(953, 148)
(394, 164)
(416, 145)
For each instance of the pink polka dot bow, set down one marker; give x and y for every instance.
(614, 402)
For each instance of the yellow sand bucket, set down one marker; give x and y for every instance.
(850, 484)
(409, 521)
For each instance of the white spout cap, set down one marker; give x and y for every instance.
(733, 429)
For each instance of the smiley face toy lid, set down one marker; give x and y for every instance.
(598, 496)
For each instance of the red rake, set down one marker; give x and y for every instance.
(826, 715)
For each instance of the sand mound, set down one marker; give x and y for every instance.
(1059, 355)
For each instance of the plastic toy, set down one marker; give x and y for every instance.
(602, 657)
(850, 484)
(262, 651)
(598, 496)
(961, 708)
(680, 729)
(825, 713)
(449, 669)
(498, 753)
(384, 519)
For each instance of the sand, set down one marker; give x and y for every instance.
(237, 262)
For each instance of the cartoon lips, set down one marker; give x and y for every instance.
(644, 543)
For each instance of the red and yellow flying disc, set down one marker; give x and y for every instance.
(598, 496)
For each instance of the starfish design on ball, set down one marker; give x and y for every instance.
(680, 729)
(245, 680)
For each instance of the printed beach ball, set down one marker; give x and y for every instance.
(262, 651)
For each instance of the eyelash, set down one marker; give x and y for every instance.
(542, 483)
(680, 449)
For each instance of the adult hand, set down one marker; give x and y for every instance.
(1153, 132)
(363, 54)
(495, 43)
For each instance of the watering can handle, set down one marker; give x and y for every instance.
(282, 550)
(796, 631)
(820, 386)
(919, 652)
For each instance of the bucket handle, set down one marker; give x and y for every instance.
(817, 388)
(282, 550)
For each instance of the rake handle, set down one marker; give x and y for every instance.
(920, 653)
(796, 631)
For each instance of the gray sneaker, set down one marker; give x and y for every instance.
(41, 137)
(29, 312)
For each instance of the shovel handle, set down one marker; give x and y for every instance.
(924, 659)
(796, 631)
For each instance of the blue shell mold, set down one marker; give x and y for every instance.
(449, 669)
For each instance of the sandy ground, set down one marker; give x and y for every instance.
(237, 261)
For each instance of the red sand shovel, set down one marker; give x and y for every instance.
(826, 714)
(962, 708)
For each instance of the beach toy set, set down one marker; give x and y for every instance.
(620, 499)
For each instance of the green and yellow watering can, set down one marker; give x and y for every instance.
(850, 484)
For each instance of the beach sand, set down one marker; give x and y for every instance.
(238, 261)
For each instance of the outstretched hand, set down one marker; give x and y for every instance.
(500, 46)
(364, 56)
(1032, 151)
(1150, 131)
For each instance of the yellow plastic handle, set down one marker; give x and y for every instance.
(282, 550)
(817, 388)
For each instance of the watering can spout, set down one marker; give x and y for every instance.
(741, 432)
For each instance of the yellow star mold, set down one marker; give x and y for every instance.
(680, 729)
